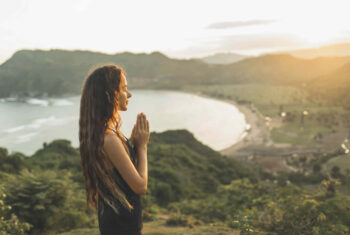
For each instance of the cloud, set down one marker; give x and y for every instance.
(245, 44)
(258, 41)
(236, 24)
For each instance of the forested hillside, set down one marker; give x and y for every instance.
(191, 183)
(59, 72)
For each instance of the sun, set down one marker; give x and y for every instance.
(314, 30)
(314, 25)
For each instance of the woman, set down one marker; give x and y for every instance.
(115, 173)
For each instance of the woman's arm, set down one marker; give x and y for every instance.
(140, 137)
(136, 178)
(114, 148)
(141, 154)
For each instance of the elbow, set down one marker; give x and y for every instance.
(140, 188)
(142, 191)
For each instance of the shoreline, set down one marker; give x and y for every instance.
(256, 133)
(255, 129)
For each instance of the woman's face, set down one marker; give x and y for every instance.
(123, 95)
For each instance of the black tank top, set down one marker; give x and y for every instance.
(126, 222)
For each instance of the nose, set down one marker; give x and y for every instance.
(129, 94)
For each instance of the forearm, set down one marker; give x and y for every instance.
(142, 167)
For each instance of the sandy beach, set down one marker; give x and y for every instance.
(257, 132)
(255, 135)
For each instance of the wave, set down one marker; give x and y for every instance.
(25, 138)
(15, 129)
(37, 123)
(9, 99)
(40, 121)
(37, 102)
(62, 121)
(61, 102)
(41, 102)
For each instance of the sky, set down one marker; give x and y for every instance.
(178, 28)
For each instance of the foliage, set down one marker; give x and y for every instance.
(177, 219)
(245, 224)
(253, 207)
(9, 223)
(49, 184)
(187, 179)
(47, 200)
(11, 163)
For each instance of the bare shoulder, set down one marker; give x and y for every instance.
(110, 138)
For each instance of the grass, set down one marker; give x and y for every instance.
(271, 100)
(267, 98)
(259, 94)
(158, 227)
(297, 134)
(342, 161)
(313, 109)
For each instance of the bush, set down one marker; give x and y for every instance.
(9, 223)
(47, 200)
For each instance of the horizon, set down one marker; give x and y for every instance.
(179, 58)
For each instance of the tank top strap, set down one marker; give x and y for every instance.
(115, 131)
(130, 146)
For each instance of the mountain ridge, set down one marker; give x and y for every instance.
(59, 72)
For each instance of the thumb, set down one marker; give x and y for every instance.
(133, 131)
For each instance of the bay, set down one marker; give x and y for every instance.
(26, 125)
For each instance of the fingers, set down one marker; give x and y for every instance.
(138, 122)
(142, 123)
(143, 118)
(145, 123)
(133, 131)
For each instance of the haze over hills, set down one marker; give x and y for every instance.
(61, 72)
(334, 85)
(224, 58)
(281, 69)
(342, 49)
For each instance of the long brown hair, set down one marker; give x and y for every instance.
(98, 106)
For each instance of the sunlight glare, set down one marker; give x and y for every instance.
(314, 25)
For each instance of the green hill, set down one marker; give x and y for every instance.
(189, 183)
(179, 165)
(282, 69)
(333, 86)
(59, 72)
